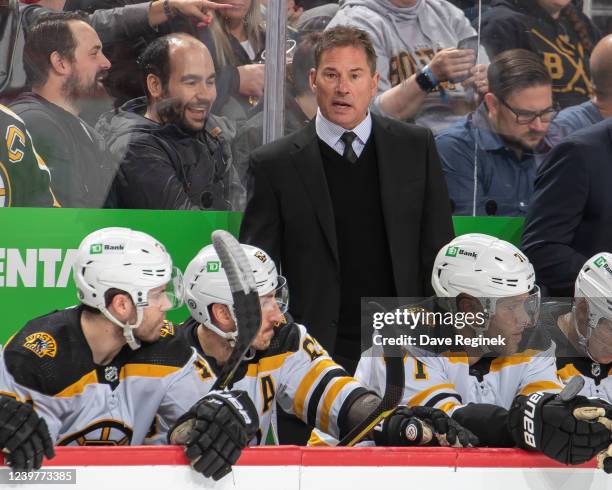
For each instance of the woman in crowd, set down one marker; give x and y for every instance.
(555, 29)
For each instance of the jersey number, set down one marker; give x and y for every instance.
(419, 370)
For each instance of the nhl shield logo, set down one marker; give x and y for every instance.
(111, 374)
(596, 369)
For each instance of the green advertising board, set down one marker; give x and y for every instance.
(37, 248)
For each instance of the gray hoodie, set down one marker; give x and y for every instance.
(405, 40)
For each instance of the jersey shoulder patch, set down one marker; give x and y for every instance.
(49, 352)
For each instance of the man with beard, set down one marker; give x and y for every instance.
(174, 155)
(488, 158)
(64, 61)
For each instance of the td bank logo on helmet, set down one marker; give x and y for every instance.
(98, 248)
(602, 262)
(454, 251)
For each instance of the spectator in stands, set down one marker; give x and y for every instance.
(488, 157)
(63, 59)
(300, 106)
(178, 156)
(316, 18)
(554, 29)
(595, 110)
(570, 217)
(236, 39)
(123, 24)
(297, 8)
(422, 73)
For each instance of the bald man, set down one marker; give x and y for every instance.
(174, 154)
(592, 111)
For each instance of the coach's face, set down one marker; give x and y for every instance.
(344, 85)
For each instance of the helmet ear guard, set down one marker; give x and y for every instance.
(130, 261)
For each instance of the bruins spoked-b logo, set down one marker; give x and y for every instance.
(42, 344)
(106, 432)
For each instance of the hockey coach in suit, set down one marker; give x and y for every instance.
(353, 205)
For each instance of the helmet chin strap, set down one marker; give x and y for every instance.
(128, 330)
(229, 336)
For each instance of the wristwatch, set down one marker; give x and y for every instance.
(426, 79)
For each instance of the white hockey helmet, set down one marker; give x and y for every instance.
(206, 284)
(486, 268)
(594, 283)
(130, 261)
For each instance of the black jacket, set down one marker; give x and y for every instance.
(290, 215)
(570, 217)
(168, 168)
(511, 24)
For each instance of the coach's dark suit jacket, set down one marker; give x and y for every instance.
(570, 215)
(290, 215)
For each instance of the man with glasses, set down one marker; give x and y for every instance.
(488, 158)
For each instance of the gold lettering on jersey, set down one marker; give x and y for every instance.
(202, 369)
(261, 256)
(167, 329)
(42, 344)
(313, 348)
(559, 50)
(15, 141)
(267, 392)
(404, 64)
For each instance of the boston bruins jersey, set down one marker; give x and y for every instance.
(294, 371)
(24, 177)
(571, 362)
(447, 381)
(128, 401)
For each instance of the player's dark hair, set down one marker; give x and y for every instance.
(108, 299)
(50, 34)
(303, 61)
(342, 36)
(516, 69)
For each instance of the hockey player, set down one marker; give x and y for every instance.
(24, 177)
(286, 365)
(582, 328)
(505, 394)
(111, 371)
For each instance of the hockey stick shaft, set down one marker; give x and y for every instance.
(247, 308)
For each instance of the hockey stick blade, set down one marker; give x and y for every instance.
(247, 308)
(394, 390)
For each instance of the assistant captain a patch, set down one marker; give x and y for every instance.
(42, 344)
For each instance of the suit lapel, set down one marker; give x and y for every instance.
(393, 173)
(308, 163)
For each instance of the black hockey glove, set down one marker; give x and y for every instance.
(420, 426)
(215, 430)
(24, 437)
(568, 431)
